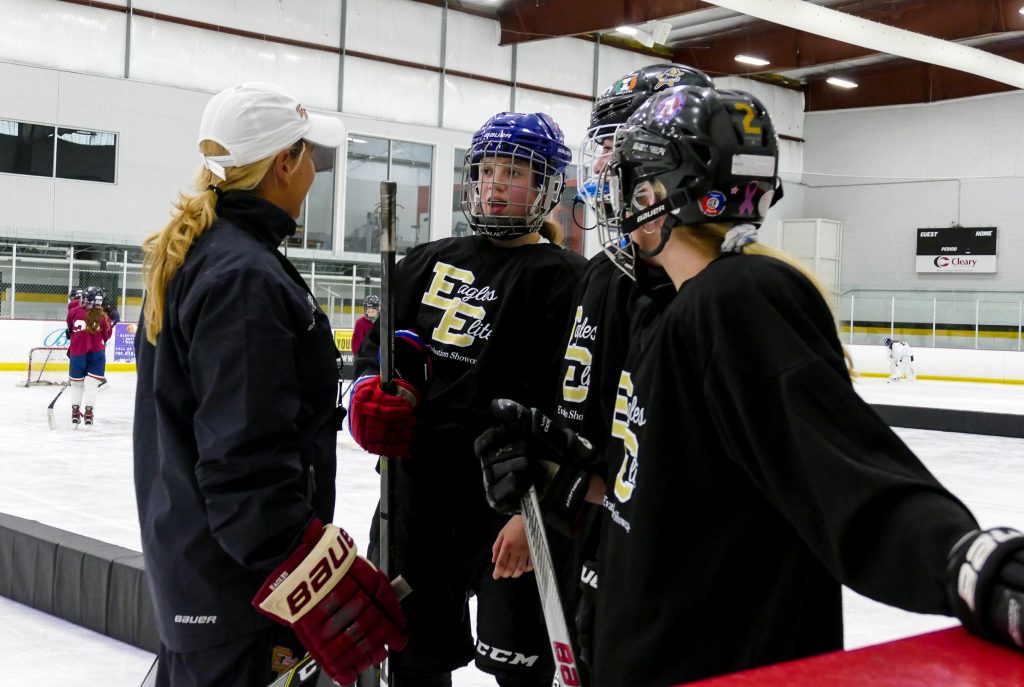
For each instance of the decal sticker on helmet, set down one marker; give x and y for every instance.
(713, 204)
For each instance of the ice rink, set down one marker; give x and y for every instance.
(82, 481)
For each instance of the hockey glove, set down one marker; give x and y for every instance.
(381, 422)
(986, 584)
(342, 609)
(518, 454)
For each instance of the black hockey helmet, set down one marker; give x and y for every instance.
(371, 301)
(93, 297)
(714, 152)
(617, 103)
(75, 294)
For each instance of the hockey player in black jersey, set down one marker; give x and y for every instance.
(749, 479)
(491, 310)
(608, 307)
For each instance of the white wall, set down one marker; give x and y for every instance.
(174, 68)
(883, 164)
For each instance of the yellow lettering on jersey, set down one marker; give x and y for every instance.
(574, 386)
(457, 313)
(625, 480)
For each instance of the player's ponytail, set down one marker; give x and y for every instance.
(553, 232)
(93, 320)
(166, 249)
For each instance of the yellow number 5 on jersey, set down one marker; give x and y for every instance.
(625, 480)
(576, 383)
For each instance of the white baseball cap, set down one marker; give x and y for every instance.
(256, 120)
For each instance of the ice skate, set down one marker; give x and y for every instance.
(87, 416)
(76, 416)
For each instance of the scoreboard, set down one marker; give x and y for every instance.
(957, 250)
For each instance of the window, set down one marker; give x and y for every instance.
(460, 227)
(371, 161)
(79, 154)
(26, 148)
(86, 155)
(316, 219)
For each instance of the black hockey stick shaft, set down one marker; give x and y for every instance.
(388, 239)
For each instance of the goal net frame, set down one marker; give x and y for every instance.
(47, 366)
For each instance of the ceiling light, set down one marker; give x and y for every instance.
(628, 30)
(842, 83)
(756, 61)
(1021, 10)
(839, 26)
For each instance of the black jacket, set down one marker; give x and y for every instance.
(235, 426)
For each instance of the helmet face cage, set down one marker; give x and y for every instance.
(620, 100)
(513, 174)
(610, 208)
(498, 180)
(595, 154)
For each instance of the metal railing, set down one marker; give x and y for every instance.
(35, 279)
(934, 319)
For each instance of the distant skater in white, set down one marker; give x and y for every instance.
(901, 361)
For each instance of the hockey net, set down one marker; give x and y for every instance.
(47, 365)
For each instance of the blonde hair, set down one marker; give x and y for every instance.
(553, 232)
(709, 237)
(166, 249)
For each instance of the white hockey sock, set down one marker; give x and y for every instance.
(92, 387)
(76, 392)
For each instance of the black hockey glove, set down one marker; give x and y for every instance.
(585, 612)
(986, 584)
(523, 451)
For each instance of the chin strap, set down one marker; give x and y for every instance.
(739, 236)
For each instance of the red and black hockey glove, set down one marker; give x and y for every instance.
(342, 609)
(382, 422)
(986, 584)
(528, 449)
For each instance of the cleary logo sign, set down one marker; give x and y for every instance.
(957, 250)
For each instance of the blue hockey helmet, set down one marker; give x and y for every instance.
(888, 342)
(508, 138)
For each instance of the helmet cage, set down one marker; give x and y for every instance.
(485, 158)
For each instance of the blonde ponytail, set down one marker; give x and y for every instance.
(553, 232)
(166, 249)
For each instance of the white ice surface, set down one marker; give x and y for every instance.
(82, 481)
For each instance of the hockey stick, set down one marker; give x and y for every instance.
(388, 231)
(49, 408)
(566, 672)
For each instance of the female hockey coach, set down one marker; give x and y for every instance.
(236, 417)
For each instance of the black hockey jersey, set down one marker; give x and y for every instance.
(493, 318)
(748, 479)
